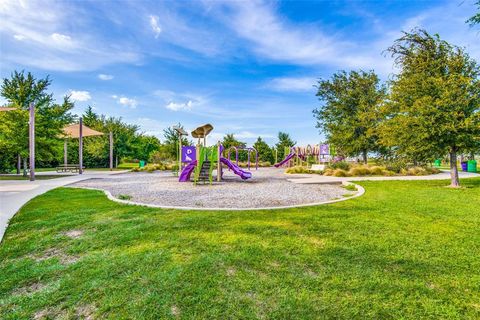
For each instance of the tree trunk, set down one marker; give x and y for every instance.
(19, 163)
(455, 183)
(365, 156)
(24, 167)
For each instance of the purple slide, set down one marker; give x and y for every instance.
(187, 172)
(281, 163)
(243, 174)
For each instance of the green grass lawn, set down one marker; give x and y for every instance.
(405, 250)
(37, 177)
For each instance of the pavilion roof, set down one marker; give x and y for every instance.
(73, 131)
(6, 109)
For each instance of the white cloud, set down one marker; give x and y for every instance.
(61, 38)
(292, 84)
(105, 77)
(181, 101)
(19, 37)
(152, 126)
(128, 102)
(154, 25)
(80, 95)
(38, 26)
(252, 135)
(180, 106)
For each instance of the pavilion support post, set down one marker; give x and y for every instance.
(111, 150)
(65, 153)
(80, 146)
(31, 142)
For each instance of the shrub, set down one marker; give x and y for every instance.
(359, 171)
(340, 173)
(377, 170)
(298, 169)
(328, 172)
(339, 165)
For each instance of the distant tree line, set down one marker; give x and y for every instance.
(21, 89)
(130, 143)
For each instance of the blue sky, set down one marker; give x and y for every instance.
(246, 67)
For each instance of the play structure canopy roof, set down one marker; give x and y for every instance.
(73, 131)
(202, 131)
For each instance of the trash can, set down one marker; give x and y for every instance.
(464, 165)
(141, 164)
(472, 166)
(438, 163)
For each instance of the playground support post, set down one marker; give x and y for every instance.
(31, 144)
(179, 152)
(219, 164)
(110, 136)
(80, 146)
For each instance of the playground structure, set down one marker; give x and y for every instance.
(298, 155)
(249, 150)
(200, 160)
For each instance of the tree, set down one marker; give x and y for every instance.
(229, 141)
(284, 140)
(128, 142)
(19, 91)
(433, 107)
(475, 19)
(147, 145)
(264, 150)
(351, 111)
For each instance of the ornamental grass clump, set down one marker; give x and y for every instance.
(340, 173)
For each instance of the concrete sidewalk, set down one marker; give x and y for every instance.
(318, 179)
(15, 193)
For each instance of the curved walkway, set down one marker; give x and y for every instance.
(15, 193)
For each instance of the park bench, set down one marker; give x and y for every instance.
(69, 167)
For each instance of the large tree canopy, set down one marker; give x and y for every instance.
(433, 108)
(284, 140)
(19, 91)
(475, 19)
(264, 151)
(350, 111)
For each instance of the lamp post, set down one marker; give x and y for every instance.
(31, 139)
(80, 146)
(180, 133)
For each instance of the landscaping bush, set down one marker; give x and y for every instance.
(339, 165)
(340, 173)
(360, 170)
(299, 169)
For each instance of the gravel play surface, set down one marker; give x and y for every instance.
(267, 188)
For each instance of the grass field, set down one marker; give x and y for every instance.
(37, 177)
(405, 250)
